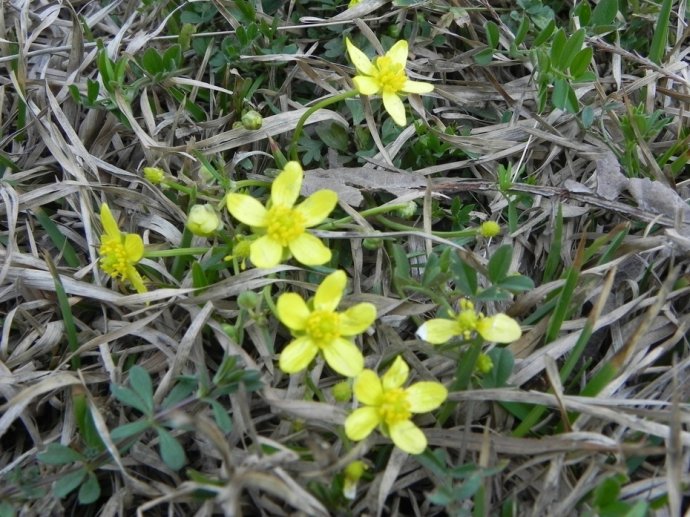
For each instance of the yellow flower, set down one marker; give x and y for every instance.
(498, 328)
(317, 327)
(489, 229)
(203, 220)
(389, 406)
(284, 224)
(353, 3)
(386, 75)
(120, 251)
(154, 174)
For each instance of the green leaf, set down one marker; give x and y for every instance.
(221, 416)
(571, 48)
(92, 89)
(199, 279)
(170, 449)
(126, 430)
(6, 510)
(581, 62)
(516, 283)
(465, 276)
(604, 13)
(57, 237)
(90, 491)
(557, 47)
(334, 136)
(140, 381)
(499, 264)
(484, 56)
(129, 398)
(58, 454)
(563, 96)
(152, 61)
(68, 482)
(172, 58)
(587, 117)
(65, 311)
(584, 12)
(503, 367)
(660, 38)
(183, 389)
(522, 31)
(492, 34)
(607, 492)
(544, 34)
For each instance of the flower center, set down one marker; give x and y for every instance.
(323, 327)
(114, 259)
(394, 406)
(390, 76)
(284, 224)
(467, 318)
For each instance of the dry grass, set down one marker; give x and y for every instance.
(618, 260)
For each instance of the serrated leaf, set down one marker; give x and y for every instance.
(140, 381)
(126, 430)
(499, 263)
(58, 454)
(90, 490)
(68, 482)
(170, 449)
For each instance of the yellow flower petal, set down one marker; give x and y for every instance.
(395, 107)
(134, 247)
(108, 222)
(137, 282)
(359, 59)
(357, 319)
(408, 437)
(417, 87)
(292, 311)
(309, 250)
(426, 396)
(367, 388)
(330, 291)
(361, 422)
(316, 207)
(499, 329)
(246, 209)
(287, 185)
(265, 252)
(366, 85)
(398, 53)
(297, 355)
(396, 374)
(438, 330)
(344, 357)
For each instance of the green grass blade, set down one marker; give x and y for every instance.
(660, 38)
(58, 238)
(66, 311)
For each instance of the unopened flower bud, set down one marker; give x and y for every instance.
(248, 300)
(353, 473)
(408, 210)
(342, 392)
(484, 364)
(154, 175)
(489, 229)
(252, 120)
(203, 220)
(372, 243)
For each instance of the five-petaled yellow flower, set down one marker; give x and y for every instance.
(120, 251)
(498, 328)
(317, 327)
(282, 223)
(386, 75)
(389, 406)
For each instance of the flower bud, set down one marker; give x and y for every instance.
(407, 211)
(248, 300)
(154, 175)
(342, 392)
(252, 120)
(489, 229)
(353, 473)
(372, 243)
(203, 220)
(484, 364)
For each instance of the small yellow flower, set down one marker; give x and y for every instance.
(498, 328)
(282, 223)
(318, 328)
(353, 3)
(484, 364)
(203, 220)
(389, 406)
(120, 251)
(386, 75)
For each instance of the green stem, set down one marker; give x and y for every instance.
(463, 373)
(179, 252)
(364, 213)
(470, 232)
(176, 186)
(316, 107)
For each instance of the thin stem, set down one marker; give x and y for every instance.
(316, 107)
(175, 252)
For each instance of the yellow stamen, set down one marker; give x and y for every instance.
(394, 406)
(323, 326)
(284, 224)
(391, 76)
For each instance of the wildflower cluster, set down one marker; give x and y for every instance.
(269, 234)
